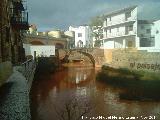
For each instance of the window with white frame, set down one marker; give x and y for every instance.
(130, 28)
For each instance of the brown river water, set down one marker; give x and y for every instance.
(73, 93)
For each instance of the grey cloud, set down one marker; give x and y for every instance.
(48, 14)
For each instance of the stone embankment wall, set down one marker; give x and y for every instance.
(5, 71)
(137, 60)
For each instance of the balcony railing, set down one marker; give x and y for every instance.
(20, 21)
(118, 34)
(18, 6)
(117, 22)
(19, 16)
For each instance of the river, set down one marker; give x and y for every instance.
(74, 93)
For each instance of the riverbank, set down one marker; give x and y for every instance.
(137, 85)
(14, 94)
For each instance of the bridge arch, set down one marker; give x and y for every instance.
(59, 46)
(36, 42)
(89, 56)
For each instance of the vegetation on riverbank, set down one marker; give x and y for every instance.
(109, 73)
(137, 85)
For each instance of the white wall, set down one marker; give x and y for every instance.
(109, 45)
(157, 34)
(27, 49)
(45, 50)
(120, 18)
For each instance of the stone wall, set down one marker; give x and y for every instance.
(108, 55)
(98, 56)
(133, 59)
(5, 71)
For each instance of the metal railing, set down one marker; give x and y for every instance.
(28, 68)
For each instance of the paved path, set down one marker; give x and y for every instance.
(14, 98)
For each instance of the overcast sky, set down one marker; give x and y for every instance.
(60, 14)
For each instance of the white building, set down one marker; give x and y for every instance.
(156, 33)
(122, 29)
(82, 36)
(41, 50)
(55, 33)
(148, 33)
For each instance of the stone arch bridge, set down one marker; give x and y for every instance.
(94, 56)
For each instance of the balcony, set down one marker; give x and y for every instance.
(20, 21)
(18, 6)
(19, 16)
(118, 22)
(118, 34)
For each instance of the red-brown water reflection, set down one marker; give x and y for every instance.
(50, 92)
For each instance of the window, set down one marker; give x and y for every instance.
(79, 34)
(128, 15)
(130, 28)
(118, 29)
(142, 35)
(157, 32)
(109, 30)
(148, 30)
(110, 18)
(142, 26)
(147, 42)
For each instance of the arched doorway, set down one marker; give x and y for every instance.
(79, 44)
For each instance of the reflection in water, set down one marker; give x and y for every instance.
(75, 87)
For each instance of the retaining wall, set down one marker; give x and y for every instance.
(134, 59)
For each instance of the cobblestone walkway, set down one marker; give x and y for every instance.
(14, 98)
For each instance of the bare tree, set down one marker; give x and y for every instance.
(73, 108)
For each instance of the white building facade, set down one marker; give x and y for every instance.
(82, 36)
(122, 29)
